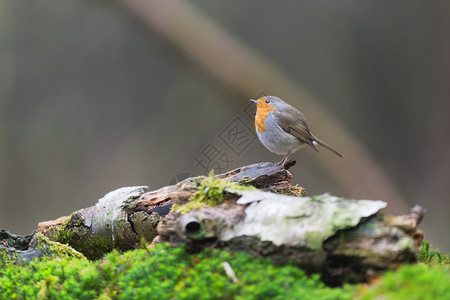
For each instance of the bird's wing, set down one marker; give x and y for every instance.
(294, 122)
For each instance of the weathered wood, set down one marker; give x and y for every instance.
(268, 176)
(343, 239)
(123, 217)
(44, 226)
(107, 225)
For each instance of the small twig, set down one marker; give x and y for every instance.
(229, 271)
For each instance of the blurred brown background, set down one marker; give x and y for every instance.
(96, 95)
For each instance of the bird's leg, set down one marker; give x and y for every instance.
(283, 161)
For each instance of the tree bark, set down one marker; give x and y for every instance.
(343, 239)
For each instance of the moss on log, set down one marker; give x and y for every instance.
(253, 209)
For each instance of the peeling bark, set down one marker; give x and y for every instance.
(123, 217)
(343, 239)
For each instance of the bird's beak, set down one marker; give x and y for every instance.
(253, 100)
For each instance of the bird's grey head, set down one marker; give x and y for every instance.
(268, 101)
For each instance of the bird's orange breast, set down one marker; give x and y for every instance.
(260, 117)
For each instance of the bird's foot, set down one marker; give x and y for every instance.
(285, 163)
(281, 163)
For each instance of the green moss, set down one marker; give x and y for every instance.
(210, 192)
(64, 232)
(410, 282)
(8, 258)
(40, 246)
(55, 249)
(245, 180)
(163, 272)
(429, 256)
(46, 285)
(73, 233)
(298, 191)
(427, 280)
(98, 247)
(294, 191)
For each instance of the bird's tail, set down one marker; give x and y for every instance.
(325, 145)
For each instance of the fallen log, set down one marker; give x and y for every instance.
(21, 250)
(254, 209)
(122, 218)
(345, 240)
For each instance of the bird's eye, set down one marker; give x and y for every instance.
(267, 101)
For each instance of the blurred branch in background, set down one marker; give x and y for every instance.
(6, 85)
(248, 72)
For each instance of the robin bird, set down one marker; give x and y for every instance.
(283, 129)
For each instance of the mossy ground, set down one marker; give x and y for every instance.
(171, 273)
